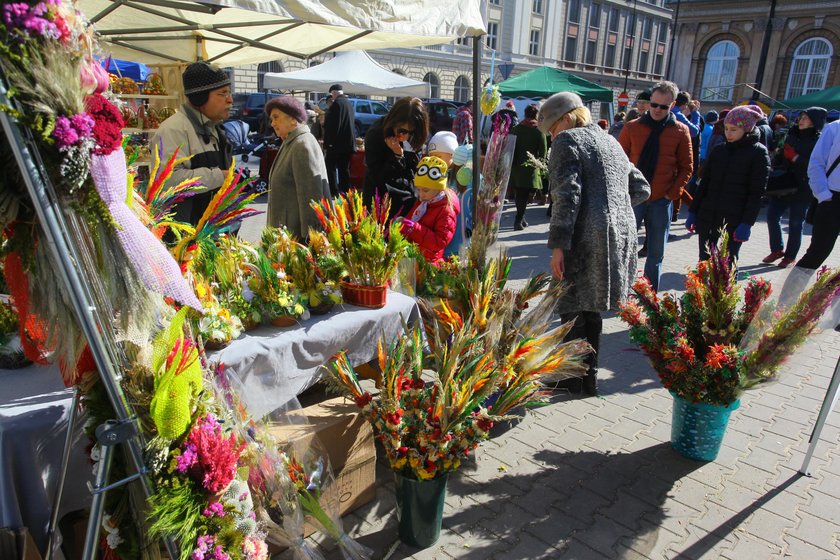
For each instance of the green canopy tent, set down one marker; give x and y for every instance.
(545, 81)
(827, 98)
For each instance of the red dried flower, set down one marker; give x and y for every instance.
(107, 132)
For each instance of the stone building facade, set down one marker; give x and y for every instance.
(718, 49)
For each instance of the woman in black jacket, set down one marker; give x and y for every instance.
(732, 183)
(794, 156)
(392, 148)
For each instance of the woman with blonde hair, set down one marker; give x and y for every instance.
(592, 233)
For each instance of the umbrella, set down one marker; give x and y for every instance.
(545, 81)
(137, 71)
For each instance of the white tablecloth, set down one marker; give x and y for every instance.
(275, 365)
(34, 409)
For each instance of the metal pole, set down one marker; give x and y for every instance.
(633, 46)
(62, 473)
(765, 46)
(476, 93)
(673, 41)
(66, 258)
(827, 406)
(106, 456)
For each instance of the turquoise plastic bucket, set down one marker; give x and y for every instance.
(697, 429)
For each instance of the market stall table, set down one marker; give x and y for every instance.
(276, 365)
(34, 410)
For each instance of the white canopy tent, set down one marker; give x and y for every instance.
(355, 70)
(235, 32)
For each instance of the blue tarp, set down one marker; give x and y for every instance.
(137, 71)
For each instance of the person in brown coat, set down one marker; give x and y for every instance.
(661, 148)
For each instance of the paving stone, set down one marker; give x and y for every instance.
(798, 548)
(604, 535)
(608, 443)
(576, 550)
(508, 522)
(823, 506)
(653, 542)
(699, 545)
(582, 504)
(530, 547)
(628, 510)
(628, 428)
(736, 497)
(748, 547)
(593, 425)
(554, 527)
(769, 527)
(571, 439)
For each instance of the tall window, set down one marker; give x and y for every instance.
(273, 66)
(534, 44)
(592, 33)
(570, 51)
(809, 70)
(574, 11)
(496, 2)
(644, 52)
(629, 32)
(595, 16)
(434, 83)
(613, 20)
(719, 75)
(536, 6)
(462, 89)
(492, 35)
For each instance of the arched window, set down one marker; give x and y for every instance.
(274, 66)
(719, 75)
(809, 70)
(462, 89)
(433, 81)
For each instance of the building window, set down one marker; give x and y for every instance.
(434, 83)
(492, 35)
(536, 6)
(809, 70)
(534, 45)
(463, 41)
(595, 16)
(629, 32)
(719, 74)
(657, 64)
(612, 24)
(574, 11)
(570, 53)
(462, 89)
(274, 66)
(496, 2)
(643, 61)
(609, 56)
(647, 27)
(663, 32)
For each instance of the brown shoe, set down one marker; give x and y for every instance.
(774, 256)
(785, 262)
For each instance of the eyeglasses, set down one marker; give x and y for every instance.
(224, 94)
(404, 131)
(658, 106)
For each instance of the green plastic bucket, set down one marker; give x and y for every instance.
(420, 509)
(697, 429)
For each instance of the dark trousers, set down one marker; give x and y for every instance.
(824, 234)
(338, 164)
(520, 198)
(711, 238)
(588, 326)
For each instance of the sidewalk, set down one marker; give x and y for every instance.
(596, 478)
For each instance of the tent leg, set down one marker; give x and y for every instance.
(827, 406)
(476, 92)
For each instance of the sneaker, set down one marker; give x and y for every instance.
(785, 262)
(774, 256)
(518, 226)
(524, 223)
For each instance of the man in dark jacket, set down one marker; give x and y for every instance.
(339, 140)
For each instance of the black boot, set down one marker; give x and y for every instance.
(518, 225)
(590, 383)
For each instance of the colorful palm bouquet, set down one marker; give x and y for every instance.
(716, 340)
(368, 247)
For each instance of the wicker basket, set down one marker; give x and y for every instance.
(364, 296)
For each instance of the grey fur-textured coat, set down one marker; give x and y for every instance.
(297, 176)
(593, 190)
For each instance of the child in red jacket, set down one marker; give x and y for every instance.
(432, 219)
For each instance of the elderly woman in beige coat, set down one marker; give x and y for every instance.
(298, 174)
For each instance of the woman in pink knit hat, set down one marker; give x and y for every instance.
(732, 182)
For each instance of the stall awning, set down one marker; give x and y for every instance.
(235, 32)
(827, 99)
(545, 81)
(355, 70)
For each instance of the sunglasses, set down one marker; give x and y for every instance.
(404, 131)
(658, 106)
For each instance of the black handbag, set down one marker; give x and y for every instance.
(781, 182)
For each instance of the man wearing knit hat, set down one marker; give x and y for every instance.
(339, 140)
(195, 130)
(661, 148)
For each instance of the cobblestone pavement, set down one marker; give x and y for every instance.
(591, 478)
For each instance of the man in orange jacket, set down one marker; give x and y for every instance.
(661, 148)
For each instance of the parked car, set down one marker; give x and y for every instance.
(367, 112)
(441, 114)
(251, 109)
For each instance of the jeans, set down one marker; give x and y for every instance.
(824, 234)
(775, 211)
(657, 219)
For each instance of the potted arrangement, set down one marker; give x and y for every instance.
(716, 341)
(321, 295)
(281, 304)
(368, 247)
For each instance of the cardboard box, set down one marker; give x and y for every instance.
(348, 439)
(18, 544)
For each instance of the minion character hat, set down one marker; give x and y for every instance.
(431, 174)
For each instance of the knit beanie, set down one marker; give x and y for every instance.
(288, 105)
(817, 116)
(431, 174)
(200, 78)
(744, 116)
(444, 141)
(555, 107)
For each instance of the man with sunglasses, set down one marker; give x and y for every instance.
(661, 148)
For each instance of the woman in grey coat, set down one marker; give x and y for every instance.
(298, 174)
(593, 230)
